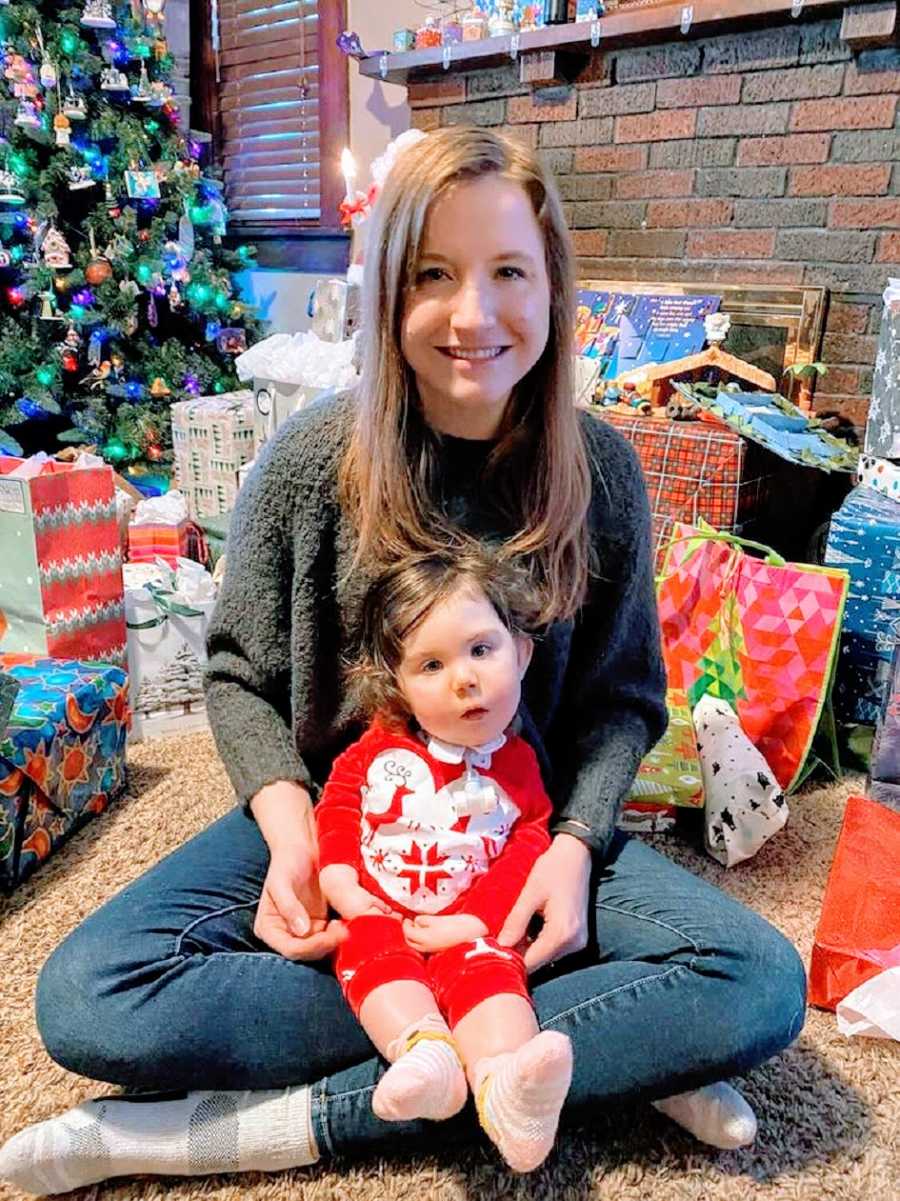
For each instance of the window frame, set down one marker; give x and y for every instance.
(290, 244)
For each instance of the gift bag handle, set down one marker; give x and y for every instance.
(166, 606)
(708, 534)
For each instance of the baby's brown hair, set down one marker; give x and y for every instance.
(401, 597)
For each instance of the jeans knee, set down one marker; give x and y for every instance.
(67, 1019)
(773, 986)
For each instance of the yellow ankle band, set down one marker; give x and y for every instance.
(437, 1036)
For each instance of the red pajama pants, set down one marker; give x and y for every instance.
(375, 953)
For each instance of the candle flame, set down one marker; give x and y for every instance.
(348, 164)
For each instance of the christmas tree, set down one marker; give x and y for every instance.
(116, 293)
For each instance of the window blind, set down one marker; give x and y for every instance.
(269, 110)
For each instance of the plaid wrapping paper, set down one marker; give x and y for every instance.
(694, 471)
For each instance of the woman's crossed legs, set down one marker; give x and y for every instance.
(165, 987)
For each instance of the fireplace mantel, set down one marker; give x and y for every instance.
(573, 42)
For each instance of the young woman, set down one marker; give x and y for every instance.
(464, 421)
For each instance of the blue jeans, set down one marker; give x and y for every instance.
(166, 988)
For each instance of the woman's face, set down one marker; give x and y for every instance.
(477, 317)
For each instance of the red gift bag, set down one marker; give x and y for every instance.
(859, 929)
(61, 578)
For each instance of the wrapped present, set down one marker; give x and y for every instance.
(9, 689)
(884, 765)
(670, 774)
(160, 529)
(880, 474)
(212, 438)
(694, 471)
(858, 935)
(883, 424)
(62, 756)
(864, 538)
(61, 588)
(167, 613)
(759, 633)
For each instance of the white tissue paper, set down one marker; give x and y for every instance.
(169, 509)
(873, 1009)
(300, 358)
(744, 803)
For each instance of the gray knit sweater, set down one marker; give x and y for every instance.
(286, 620)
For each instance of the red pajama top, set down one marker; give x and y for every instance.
(434, 828)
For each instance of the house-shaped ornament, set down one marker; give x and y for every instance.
(55, 249)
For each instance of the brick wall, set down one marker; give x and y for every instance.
(770, 157)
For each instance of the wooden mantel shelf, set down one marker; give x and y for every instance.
(628, 26)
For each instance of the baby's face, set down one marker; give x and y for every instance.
(462, 670)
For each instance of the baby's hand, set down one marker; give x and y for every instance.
(340, 884)
(428, 934)
(357, 901)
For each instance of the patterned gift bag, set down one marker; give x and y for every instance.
(761, 634)
(61, 584)
(883, 424)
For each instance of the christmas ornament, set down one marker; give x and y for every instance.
(175, 298)
(98, 270)
(160, 48)
(69, 360)
(62, 129)
(142, 185)
(55, 249)
(72, 339)
(5, 256)
(154, 452)
(48, 75)
(94, 379)
(75, 106)
(97, 14)
(95, 348)
(152, 315)
(27, 116)
(231, 341)
(10, 191)
(159, 387)
(79, 177)
(141, 90)
(113, 80)
(117, 362)
(154, 8)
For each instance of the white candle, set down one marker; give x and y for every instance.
(348, 170)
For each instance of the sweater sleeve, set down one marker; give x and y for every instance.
(492, 897)
(613, 708)
(338, 812)
(249, 642)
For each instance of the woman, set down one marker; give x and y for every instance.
(463, 421)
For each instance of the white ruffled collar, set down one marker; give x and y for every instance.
(472, 756)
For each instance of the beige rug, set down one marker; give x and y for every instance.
(829, 1108)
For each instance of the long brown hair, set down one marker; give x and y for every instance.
(403, 594)
(540, 473)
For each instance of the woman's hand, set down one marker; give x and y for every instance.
(292, 915)
(428, 934)
(557, 889)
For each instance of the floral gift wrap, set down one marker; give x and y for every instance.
(62, 756)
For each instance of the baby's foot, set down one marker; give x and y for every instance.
(520, 1095)
(426, 1081)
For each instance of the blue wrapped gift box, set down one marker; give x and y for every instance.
(864, 537)
(62, 756)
